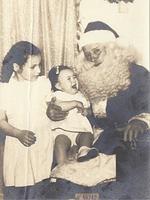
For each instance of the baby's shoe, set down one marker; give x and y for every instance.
(53, 180)
(86, 153)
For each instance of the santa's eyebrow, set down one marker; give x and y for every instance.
(97, 47)
(33, 66)
(87, 53)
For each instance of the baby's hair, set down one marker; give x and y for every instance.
(18, 54)
(54, 74)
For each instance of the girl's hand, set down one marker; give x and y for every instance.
(27, 138)
(54, 112)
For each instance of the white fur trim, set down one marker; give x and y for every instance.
(96, 37)
(124, 42)
(145, 117)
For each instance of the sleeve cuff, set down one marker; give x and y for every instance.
(145, 117)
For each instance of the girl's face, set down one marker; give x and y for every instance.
(95, 53)
(31, 69)
(67, 81)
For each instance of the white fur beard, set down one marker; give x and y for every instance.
(100, 83)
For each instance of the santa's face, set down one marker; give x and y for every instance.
(95, 53)
(108, 72)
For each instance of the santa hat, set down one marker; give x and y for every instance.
(97, 31)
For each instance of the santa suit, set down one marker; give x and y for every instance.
(127, 105)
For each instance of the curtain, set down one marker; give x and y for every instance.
(49, 24)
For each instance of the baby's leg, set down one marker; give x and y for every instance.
(62, 145)
(84, 139)
(86, 152)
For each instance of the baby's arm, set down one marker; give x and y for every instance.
(69, 105)
(88, 111)
(26, 137)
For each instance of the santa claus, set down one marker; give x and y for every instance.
(116, 86)
(118, 90)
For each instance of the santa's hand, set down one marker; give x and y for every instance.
(27, 138)
(133, 129)
(54, 112)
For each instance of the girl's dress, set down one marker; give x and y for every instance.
(25, 106)
(75, 122)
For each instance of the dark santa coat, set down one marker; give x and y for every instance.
(121, 108)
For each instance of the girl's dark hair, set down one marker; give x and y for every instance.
(18, 54)
(54, 74)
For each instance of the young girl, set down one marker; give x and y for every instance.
(28, 144)
(75, 129)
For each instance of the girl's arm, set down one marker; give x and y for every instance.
(6, 127)
(26, 137)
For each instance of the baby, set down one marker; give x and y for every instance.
(75, 129)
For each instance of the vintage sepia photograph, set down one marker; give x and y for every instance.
(74, 100)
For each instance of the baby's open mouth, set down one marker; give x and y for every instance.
(74, 86)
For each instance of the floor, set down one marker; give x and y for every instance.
(134, 183)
